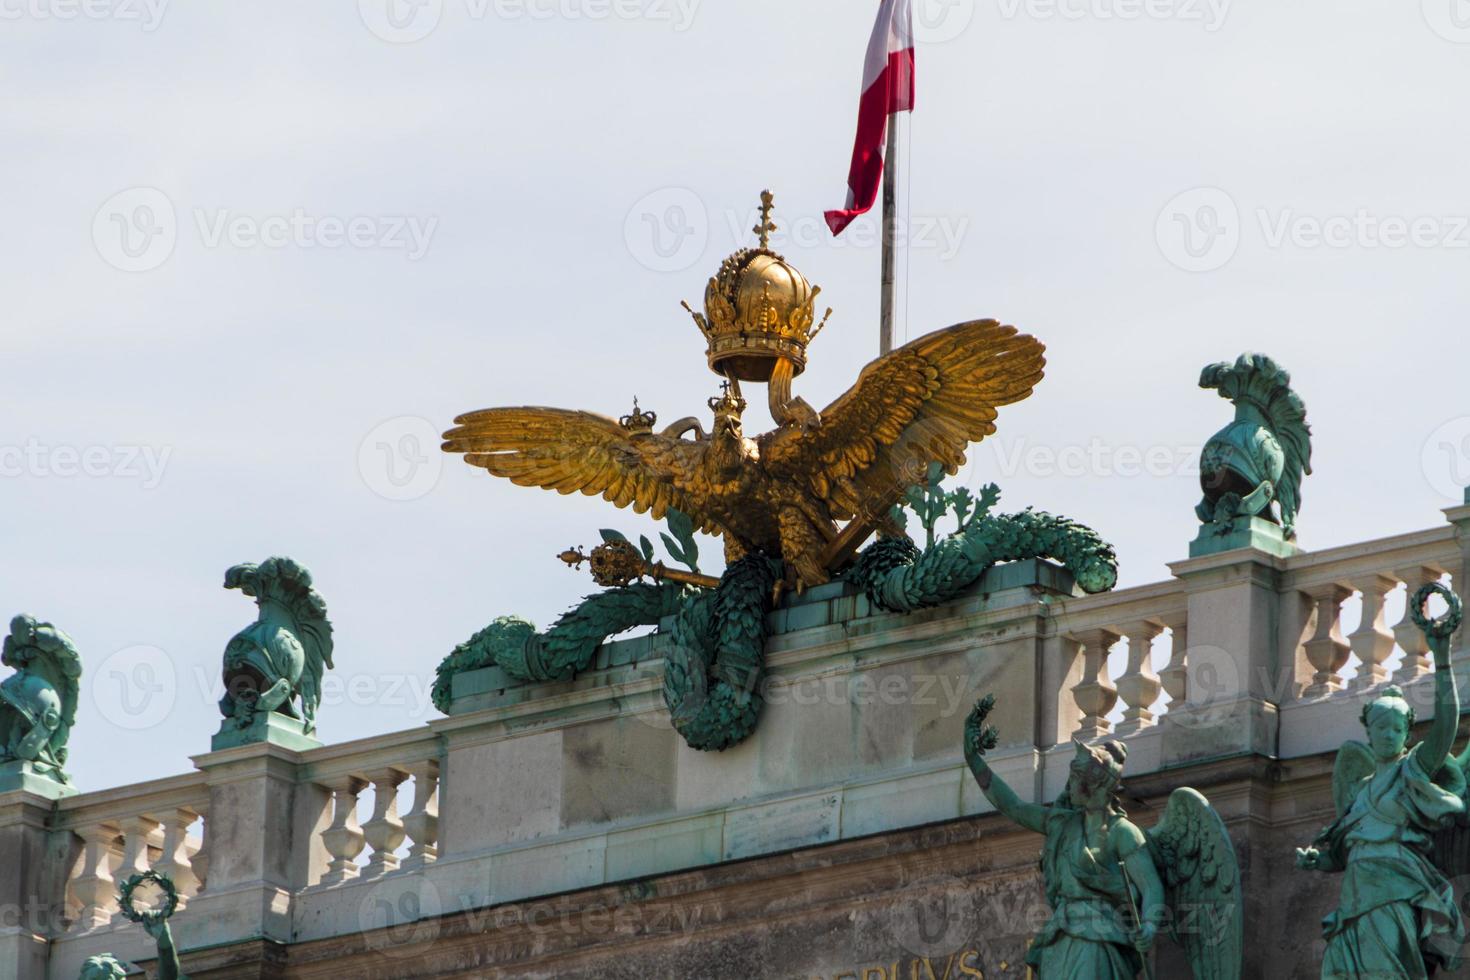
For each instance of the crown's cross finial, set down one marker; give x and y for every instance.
(766, 226)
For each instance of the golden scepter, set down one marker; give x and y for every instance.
(617, 563)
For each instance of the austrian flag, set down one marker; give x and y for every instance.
(888, 87)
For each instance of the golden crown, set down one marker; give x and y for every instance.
(757, 310)
(637, 422)
(730, 402)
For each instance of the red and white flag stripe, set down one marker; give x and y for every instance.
(888, 87)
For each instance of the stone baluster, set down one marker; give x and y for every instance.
(199, 856)
(1175, 675)
(1371, 641)
(95, 887)
(1139, 687)
(1326, 651)
(176, 862)
(384, 831)
(1095, 695)
(136, 831)
(422, 821)
(1410, 638)
(343, 839)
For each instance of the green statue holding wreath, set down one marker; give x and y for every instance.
(1400, 831)
(154, 920)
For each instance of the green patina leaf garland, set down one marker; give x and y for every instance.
(715, 668)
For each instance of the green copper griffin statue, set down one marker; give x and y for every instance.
(1399, 834)
(1261, 456)
(38, 703)
(1113, 887)
(283, 654)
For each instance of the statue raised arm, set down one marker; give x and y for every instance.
(1397, 915)
(1112, 886)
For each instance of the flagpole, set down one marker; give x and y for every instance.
(890, 208)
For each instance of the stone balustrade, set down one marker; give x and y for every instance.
(537, 789)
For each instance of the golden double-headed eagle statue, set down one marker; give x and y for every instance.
(813, 489)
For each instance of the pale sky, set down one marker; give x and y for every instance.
(255, 253)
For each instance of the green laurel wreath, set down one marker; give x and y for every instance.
(163, 881)
(1441, 626)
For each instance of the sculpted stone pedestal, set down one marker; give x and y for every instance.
(268, 726)
(28, 873)
(265, 826)
(21, 775)
(1242, 532)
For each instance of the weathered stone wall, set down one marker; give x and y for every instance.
(565, 830)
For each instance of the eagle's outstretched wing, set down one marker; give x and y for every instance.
(925, 402)
(569, 451)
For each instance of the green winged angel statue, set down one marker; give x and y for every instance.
(1400, 833)
(1113, 887)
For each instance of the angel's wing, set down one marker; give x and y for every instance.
(569, 451)
(1202, 880)
(1353, 768)
(921, 404)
